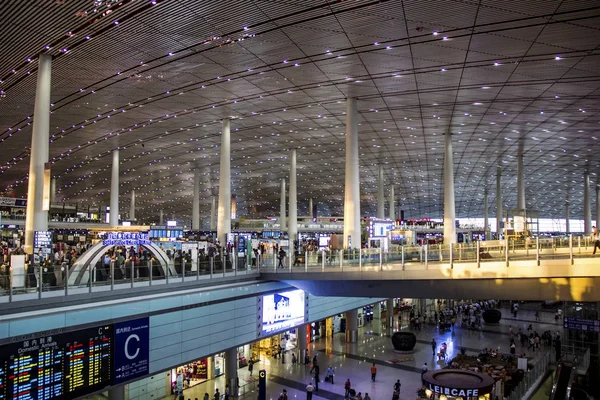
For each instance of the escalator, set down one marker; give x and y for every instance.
(561, 389)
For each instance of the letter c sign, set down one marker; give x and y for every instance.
(137, 348)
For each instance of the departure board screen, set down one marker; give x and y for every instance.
(63, 366)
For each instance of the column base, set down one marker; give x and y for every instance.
(351, 336)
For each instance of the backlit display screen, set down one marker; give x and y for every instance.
(282, 311)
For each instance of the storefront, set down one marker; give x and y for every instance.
(449, 384)
(268, 347)
(192, 373)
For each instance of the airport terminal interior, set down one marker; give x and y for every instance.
(299, 199)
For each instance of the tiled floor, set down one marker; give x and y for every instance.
(353, 361)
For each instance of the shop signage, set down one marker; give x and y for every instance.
(132, 349)
(454, 391)
(590, 325)
(126, 239)
(9, 201)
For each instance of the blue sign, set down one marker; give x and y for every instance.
(126, 239)
(590, 325)
(132, 349)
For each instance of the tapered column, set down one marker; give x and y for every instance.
(352, 326)
(224, 217)
(567, 217)
(392, 204)
(598, 206)
(37, 217)
(498, 202)
(380, 194)
(213, 213)
(486, 222)
(132, 206)
(587, 209)
(231, 370)
(310, 208)
(293, 222)
(161, 218)
(282, 207)
(196, 202)
(352, 232)
(449, 210)
(520, 177)
(302, 342)
(114, 190)
(389, 306)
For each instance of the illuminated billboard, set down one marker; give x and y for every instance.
(282, 311)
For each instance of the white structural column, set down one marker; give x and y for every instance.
(587, 209)
(380, 194)
(52, 190)
(392, 204)
(36, 217)
(196, 202)
(213, 213)
(282, 217)
(224, 217)
(293, 222)
(498, 202)
(132, 206)
(520, 177)
(114, 190)
(449, 210)
(352, 231)
(352, 326)
(161, 218)
(310, 208)
(567, 217)
(486, 219)
(231, 369)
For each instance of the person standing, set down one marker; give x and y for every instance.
(227, 392)
(373, 372)
(433, 346)
(316, 369)
(330, 375)
(397, 386)
(595, 238)
(217, 395)
(423, 370)
(347, 387)
(367, 396)
(309, 391)
(250, 366)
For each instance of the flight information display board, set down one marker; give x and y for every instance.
(62, 366)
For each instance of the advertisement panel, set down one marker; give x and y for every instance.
(282, 311)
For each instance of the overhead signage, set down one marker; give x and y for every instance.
(9, 201)
(132, 349)
(590, 325)
(42, 239)
(126, 239)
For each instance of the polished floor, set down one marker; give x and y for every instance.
(353, 360)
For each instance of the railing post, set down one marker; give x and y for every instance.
(360, 258)
(380, 258)
(10, 284)
(112, 275)
(440, 248)
(579, 244)
(506, 251)
(212, 266)
(183, 269)
(65, 277)
(478, 254)
(571, 249)
(323, 255)
(426, 255)
(537, 250)
(402, 251)
(167, 271)
(224, 263)
(451, 255)
(91, 277)
(306, 261)
(341, 255)
(197, 268)
(151, 270)
(132, 273)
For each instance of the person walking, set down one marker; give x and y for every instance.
(330, 375)
(316, 369)
(397, 386)
(206, 396)
(227, 392)
(373, 372)
(250, 366)
(347, 387)
(309, 391)
(367, 396)
(537, 315)
(217, 395)
(423, 370)
(294, 359)
(433, 346)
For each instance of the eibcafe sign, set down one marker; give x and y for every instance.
(453, 391)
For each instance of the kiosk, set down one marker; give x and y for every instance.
(453, 384)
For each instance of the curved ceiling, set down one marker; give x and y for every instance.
(154, 78)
